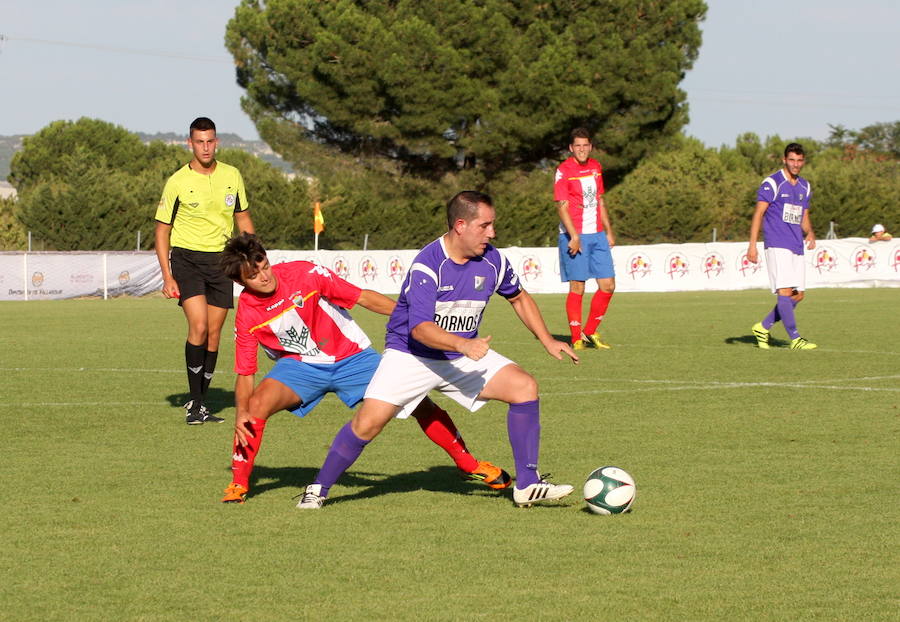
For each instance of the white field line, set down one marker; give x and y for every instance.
(648, 346)
(104, 370)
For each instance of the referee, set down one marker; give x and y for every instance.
(193, 222)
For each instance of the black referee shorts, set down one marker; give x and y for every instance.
(198, 274)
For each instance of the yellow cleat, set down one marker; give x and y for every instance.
(802, 344)
(598, 342)
(579, 345)
(762, 336)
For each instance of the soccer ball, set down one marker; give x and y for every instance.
(609, 490)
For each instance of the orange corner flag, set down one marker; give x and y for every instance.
(318, 219)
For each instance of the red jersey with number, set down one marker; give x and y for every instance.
(305, 318)
(581, 185)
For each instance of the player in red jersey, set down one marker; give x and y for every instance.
(585, 239)
(297, 312)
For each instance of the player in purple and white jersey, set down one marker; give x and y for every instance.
(433, 343)
(782, 210)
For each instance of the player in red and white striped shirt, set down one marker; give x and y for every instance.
(297, 312)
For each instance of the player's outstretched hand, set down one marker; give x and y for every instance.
(242, 429)
(558, 348)
(476, 348)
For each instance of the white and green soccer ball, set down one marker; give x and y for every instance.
(609, 490)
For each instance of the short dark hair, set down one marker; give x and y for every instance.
(241, 254)
(201, 124)
(465, 206)
(794, 148)
(580, 132)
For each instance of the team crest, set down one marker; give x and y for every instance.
(531, 268)
(229, 200)
(863, 259)
(367, 269)
(37, 279)
(713, 265)
(895, 260)
(677, 265)
(124, 277)
(297, 299)
(479, 283)
(639, 265)
(825, 260)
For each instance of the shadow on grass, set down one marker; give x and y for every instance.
(216, 399)
(751, 341)
(436, 479)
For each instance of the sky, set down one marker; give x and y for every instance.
(769, 67)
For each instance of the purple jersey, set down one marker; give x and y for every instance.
(787, 202)
(451, 295)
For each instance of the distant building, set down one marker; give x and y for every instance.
(6, 190)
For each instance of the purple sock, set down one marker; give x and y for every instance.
(770, 319)
(523, 422)
(345, 449)
(786, 310)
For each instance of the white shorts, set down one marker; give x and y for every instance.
(786, 269)
(404, 379)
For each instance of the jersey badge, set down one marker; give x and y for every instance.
(479, 283)
(229, 200)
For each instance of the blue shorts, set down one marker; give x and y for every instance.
(593, 262)
(348, 379)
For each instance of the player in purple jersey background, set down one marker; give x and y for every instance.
(433, 343)
(782, 210)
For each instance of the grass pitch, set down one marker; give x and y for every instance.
(767, 480)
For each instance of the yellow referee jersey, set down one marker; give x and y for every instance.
(201, 208)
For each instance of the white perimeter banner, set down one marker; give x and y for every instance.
(850, 262)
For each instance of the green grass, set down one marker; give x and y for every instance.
(767, 481)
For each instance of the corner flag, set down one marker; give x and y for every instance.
(318, 220)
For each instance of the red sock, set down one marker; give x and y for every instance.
(599, 304)
(242, 458)
(573, 312)
(438, 426)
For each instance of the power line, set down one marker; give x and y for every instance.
(120, 50)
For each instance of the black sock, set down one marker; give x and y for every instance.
(209, 368)
(193, 358)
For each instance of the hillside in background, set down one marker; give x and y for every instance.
(9, 145)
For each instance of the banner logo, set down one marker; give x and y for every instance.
(367, 269)
(639, 265)
(340, 267)
(124, 277)
(677, 265)
(37, 279)
(863, 259)
(746, 267)
(825, 260)
(395, 269)
(713, 265)
(895, 260)
(531, 268)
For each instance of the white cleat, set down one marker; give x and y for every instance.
(312, 498)
(542, 491)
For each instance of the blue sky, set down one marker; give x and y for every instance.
(769, 67)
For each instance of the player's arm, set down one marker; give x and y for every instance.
(806, 225)
(527, 310)
(161, 237)
(244, 222)
(374, 301)
(755, 225)
(604, 219)
(243, 389)
(562, 207)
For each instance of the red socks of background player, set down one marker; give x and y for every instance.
(242, 458)
(599, 304)
(573, 312)
(438, 426)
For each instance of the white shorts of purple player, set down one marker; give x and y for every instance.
(786, 269)
(404, 379)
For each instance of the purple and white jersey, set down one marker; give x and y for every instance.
(451, 295)
(787, 202)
